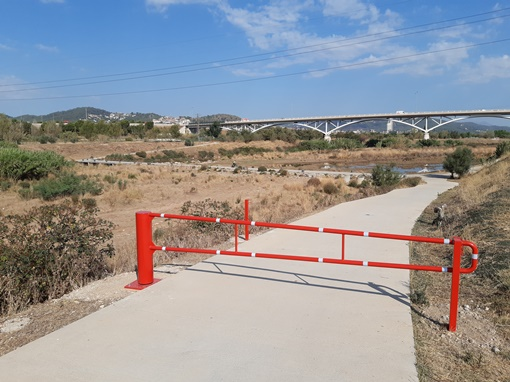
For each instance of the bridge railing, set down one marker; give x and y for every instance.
(146, 249)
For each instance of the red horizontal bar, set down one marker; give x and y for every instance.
(377, 264)
(308, 228)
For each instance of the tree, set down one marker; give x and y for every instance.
(215, 129)
(459, 162)
(385, 176)
(125, 127)
(175, 131)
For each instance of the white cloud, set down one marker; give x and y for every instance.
(436, 60)
(163, 5)
(53, 1)
(351, 9)
(5, 47)
(47, 48)
(359, 40)
(270, 26)
(487, 69)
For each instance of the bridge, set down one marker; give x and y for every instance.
(422, 121)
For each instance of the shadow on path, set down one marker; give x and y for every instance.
(306, 280)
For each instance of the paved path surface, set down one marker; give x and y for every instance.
(245, 319)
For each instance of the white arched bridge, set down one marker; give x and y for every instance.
(423, 121)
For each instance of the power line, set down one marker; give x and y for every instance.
(359, 64)
(197, 67)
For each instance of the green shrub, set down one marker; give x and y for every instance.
(26, 193)
(353, 181)
(411, 181)
(5, 185)
(189, 142)
(502, 148)
(49, 251)
(262, 169)
(428, 142)
(43, 139)
(8, 145)
(244, 150)
(122, 184)
(453, 143)
(175, 155)
(205, 156)
(141, 154)
(120, 157)
(346, 143)
(24, 184)
(315, 144)
(69, 136)
(330, 188)
(89, 203)
(110, 178)
(459, 162)
(66, 184)
(383, 176)
(16, 164)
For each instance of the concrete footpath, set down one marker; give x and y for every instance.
(249, 319)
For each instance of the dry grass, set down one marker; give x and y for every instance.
(166, 188)
(480, 349)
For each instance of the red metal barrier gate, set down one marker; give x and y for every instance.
(146, 249)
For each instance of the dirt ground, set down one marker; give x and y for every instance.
(165, 189)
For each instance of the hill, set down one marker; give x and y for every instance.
(95, 114)
(89, 113)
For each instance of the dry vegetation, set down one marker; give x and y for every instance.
(165, 188)
(477, 210)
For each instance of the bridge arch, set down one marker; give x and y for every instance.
(422, 121)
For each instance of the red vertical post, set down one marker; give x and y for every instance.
(143, 247)
(454, 297)
(343, 246)
(236, 235)
(246, 217)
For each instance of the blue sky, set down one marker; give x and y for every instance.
(254, 59)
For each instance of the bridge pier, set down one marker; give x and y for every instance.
(389, 126)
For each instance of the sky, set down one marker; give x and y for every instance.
(254, 59)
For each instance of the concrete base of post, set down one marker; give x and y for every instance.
(137, 286)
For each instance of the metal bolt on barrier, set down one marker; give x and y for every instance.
(146, 249)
